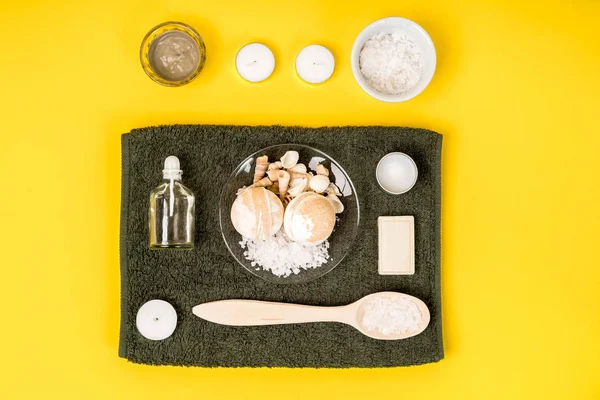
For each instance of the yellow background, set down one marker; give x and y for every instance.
(516, 95)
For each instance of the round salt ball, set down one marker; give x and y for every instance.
(309, 219)
(257, 213)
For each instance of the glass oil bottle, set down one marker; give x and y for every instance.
(172, 210)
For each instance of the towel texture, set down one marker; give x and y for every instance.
(208, 155)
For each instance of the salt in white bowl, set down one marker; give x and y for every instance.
(396, 173)
(415, 33)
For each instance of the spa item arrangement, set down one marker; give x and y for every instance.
(289, 213)
(393, 59)
(286, 215)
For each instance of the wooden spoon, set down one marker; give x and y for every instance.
(252, 312)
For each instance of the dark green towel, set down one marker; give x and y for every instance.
(208, 155)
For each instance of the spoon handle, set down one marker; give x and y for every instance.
(251, 312)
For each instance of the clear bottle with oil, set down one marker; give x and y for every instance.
(172, 209)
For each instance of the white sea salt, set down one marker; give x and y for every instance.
(391, 315)
(283, 257)
(391, 63)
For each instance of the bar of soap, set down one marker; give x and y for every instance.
(396, 245)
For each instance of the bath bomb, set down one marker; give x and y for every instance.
(309, 219)
(257, 213)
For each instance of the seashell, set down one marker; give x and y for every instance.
(297, 186)
(286, 200)
(274, 187)
(273, 170)
(301, 168)
(262, 163)
(283, 177)
(337, 204)
(319, 183)
(295, 191)
(296, 181)
(308, 177)
(333, 189)
(273, 174)
(264, 182)
(289, 159)
(297, 175)
(275, 165)
(321, 170)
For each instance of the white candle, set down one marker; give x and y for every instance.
(156, 320)
(255, 62)
(315, 64)
(396, 173)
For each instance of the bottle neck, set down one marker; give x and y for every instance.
(172, 176)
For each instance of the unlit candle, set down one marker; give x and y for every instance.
(315, 64)
(156, 320)
(255, 62)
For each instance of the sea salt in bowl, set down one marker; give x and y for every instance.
(396, 173)
(416, 34)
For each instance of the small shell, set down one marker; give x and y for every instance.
(337, 204)
(262, 163)
(296, 190)
(321, 170)
(264, 182)
(333, 189)
(301, 168)
(286, 200)
(289, 159)
(296, 175)
(296, 180)
(309, 176)
(298, 185)
(284, 181)
(275, 165)
(273, 174)
(319, 183)
(274, 188)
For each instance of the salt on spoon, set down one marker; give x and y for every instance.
(383, 315)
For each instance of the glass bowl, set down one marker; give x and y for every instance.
(346, 227)
(155, 33)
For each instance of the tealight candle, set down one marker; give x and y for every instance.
(255, 62)
(156, 320)
(315, 64)
(396, 173)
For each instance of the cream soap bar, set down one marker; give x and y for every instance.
(396, 245)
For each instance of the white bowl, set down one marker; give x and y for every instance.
(415, 33)
(396, 173)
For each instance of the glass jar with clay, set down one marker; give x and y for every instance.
(172, 54)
